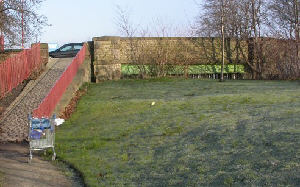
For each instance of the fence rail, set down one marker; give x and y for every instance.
(49, 103)
(17, 68)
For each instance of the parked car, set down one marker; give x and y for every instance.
(66, 51)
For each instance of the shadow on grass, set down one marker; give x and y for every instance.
(210, 157)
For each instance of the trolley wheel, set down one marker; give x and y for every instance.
(30, 157)
(53, 157)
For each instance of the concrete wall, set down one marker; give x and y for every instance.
(110, 52)
(8, 52)
(44, 53)
(106, 62)
(83, 75)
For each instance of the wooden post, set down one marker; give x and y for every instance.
(22, 24)
(1, 42)
(1, 33)
(223, 43)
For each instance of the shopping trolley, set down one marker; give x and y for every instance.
(41, 135)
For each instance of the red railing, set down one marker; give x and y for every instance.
(18, 68)
(49, 103)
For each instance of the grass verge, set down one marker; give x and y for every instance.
(198, 133)
(66, 168)
(69, 171)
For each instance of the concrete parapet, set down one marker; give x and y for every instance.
(107, 72)
(83, 75)
(44, 53)
(107, 65)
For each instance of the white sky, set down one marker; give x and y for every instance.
(80, 20)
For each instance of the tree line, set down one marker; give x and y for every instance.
(262, 35)
(270, 28)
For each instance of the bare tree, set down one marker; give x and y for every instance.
(11, 25)
(218, 20)
(223, 39)
(156, 56)
(242, 20)
(286, 24)
(286, 17)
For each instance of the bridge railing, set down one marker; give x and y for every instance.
(49, 103)
(17, 68)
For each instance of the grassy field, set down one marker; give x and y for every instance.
(198, 133)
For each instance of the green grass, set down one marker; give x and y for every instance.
(199, 133)
(193, 69)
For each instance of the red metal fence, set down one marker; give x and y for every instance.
(18, 68)
(49, 103)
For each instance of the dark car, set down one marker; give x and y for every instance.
(66, 51)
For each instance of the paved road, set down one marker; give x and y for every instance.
(13, 124)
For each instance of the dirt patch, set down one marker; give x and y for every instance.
(13, 163)
(66, 114)
(10, 97)
(1, 179)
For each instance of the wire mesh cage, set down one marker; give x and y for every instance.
(41, 135)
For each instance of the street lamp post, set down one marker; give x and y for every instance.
(22, 24)
(223, 41)
(1, 32)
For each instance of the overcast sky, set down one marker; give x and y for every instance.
(80, 20)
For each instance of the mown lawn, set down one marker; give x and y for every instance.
(198, 133)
